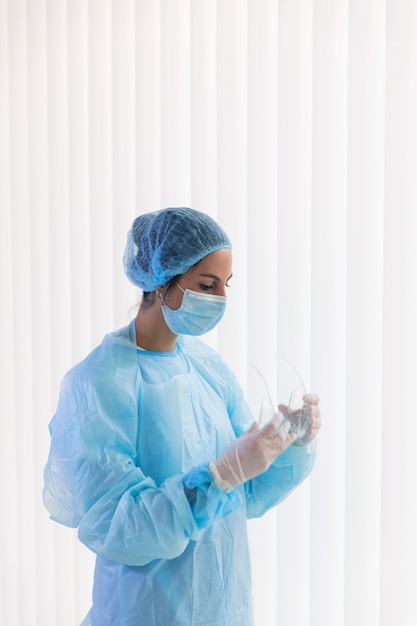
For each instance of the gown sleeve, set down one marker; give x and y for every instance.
(92, 481)
(288, 471)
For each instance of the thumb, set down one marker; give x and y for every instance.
(251, 430)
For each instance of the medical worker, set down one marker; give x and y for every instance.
(155, 456)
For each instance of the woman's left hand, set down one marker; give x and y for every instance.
(311, 401)
(314, 423)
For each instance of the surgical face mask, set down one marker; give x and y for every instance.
(198, 313)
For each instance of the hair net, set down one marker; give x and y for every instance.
(166, 243)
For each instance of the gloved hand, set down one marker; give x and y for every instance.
(309, 413)
(251, 454)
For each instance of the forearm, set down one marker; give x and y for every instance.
(208, 503)
(287, 472)
(143, 523)
(147, 522)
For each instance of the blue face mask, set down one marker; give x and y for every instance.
(198, 313)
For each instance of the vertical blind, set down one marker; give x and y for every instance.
(294, 123)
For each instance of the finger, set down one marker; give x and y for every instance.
(285, 429)
(291, 438)
(286, 440)
(315, 416)
(252, 429)
(314, 427)
(311, 398)
(315, 413)
(312, 410)
(280, 435)
(273, 425)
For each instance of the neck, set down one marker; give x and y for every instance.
(151, 331)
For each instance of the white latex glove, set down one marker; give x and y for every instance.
(251, 454)
(311, 401)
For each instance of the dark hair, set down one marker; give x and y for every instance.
(148, 298)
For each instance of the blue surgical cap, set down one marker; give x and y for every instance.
(166, 243)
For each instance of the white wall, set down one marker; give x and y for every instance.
(295, 124)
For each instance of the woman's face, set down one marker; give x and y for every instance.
(210, 275)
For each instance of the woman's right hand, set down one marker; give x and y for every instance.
(251, 454)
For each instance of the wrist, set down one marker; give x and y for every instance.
(222, 484)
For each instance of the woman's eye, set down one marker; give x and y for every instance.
(206, 287)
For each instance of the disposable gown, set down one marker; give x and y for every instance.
(131, 441)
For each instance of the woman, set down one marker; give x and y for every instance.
(154, 454)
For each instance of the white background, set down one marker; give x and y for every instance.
(294, 123)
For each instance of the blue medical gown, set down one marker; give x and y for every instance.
(131, 441)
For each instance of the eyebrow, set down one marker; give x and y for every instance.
(214, 277)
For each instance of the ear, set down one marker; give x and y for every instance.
(162, 290)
